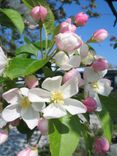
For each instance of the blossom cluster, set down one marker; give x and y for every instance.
(55, 97)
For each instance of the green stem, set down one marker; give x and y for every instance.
(41, 39)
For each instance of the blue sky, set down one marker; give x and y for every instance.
(105, 21)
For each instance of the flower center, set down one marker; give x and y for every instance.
(95, 85)
(25, 103)
(57, 97)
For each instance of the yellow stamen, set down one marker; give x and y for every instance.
(25, 103)
(57, 97)
(95, 85)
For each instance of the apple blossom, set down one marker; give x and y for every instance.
(100, 35)
(29, 151)
(68, 42)
(100, 64)
(101, 145)
(3, 136)
(43, 126)
(67, 26)
(3, 61)
(90, 103)
(31, 81)
(20, 106)
(58, 97)
(81, 19)
(39, 13)
(66, 62)
(84, 50)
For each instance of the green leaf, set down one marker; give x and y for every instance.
(64, 135)
(106, 123)
(11, 17)
(23, 66)
(28, 48)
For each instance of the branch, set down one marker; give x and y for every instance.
(110, 4)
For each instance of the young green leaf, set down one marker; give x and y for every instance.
(64, 135)
(11, 17)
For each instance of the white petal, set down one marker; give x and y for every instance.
(11, 96)
(24, 91)
(38, 95)
(61, 58)
(53, 83)
(30, 116)
(91, 76)
(11, 112)
(54, 111)
(2, 55)
(104, 87)
(74, 106)
(70, 88)
(38, 106)
(75, 61)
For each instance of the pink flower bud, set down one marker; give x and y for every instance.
(69, 75)
(100, 64)
(28, 152)
(39, 13)
(81, 19)
(68, 41)
(100, 35)
(31, 81)
(101, 145)
(67, 26)
(3, 136)
(43, 126)
(90, 103)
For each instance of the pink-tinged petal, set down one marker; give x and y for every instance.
(3, 137)
(38, 106)
(24, 91)
(11, 96)
(30, 116)
(75, 61)
(54, 111)
(38, 95)
(11, 112)
(69, 88)
(28, 152)
(74, 106)
(53, 83)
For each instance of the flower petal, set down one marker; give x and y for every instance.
(38, 95)
(62, 60)
(11, 96)
(11, 112)
(52, 83)
(54, 111)
(104, 87)
(91, 76)
(75, 61)
(69, 88)
(38, 106)
(30, 116)
(24, 91)
(74, 106)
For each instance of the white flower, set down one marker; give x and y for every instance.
(3, 61)
(58, 97)
(20, 106)
(66, 62)
(102, 87)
